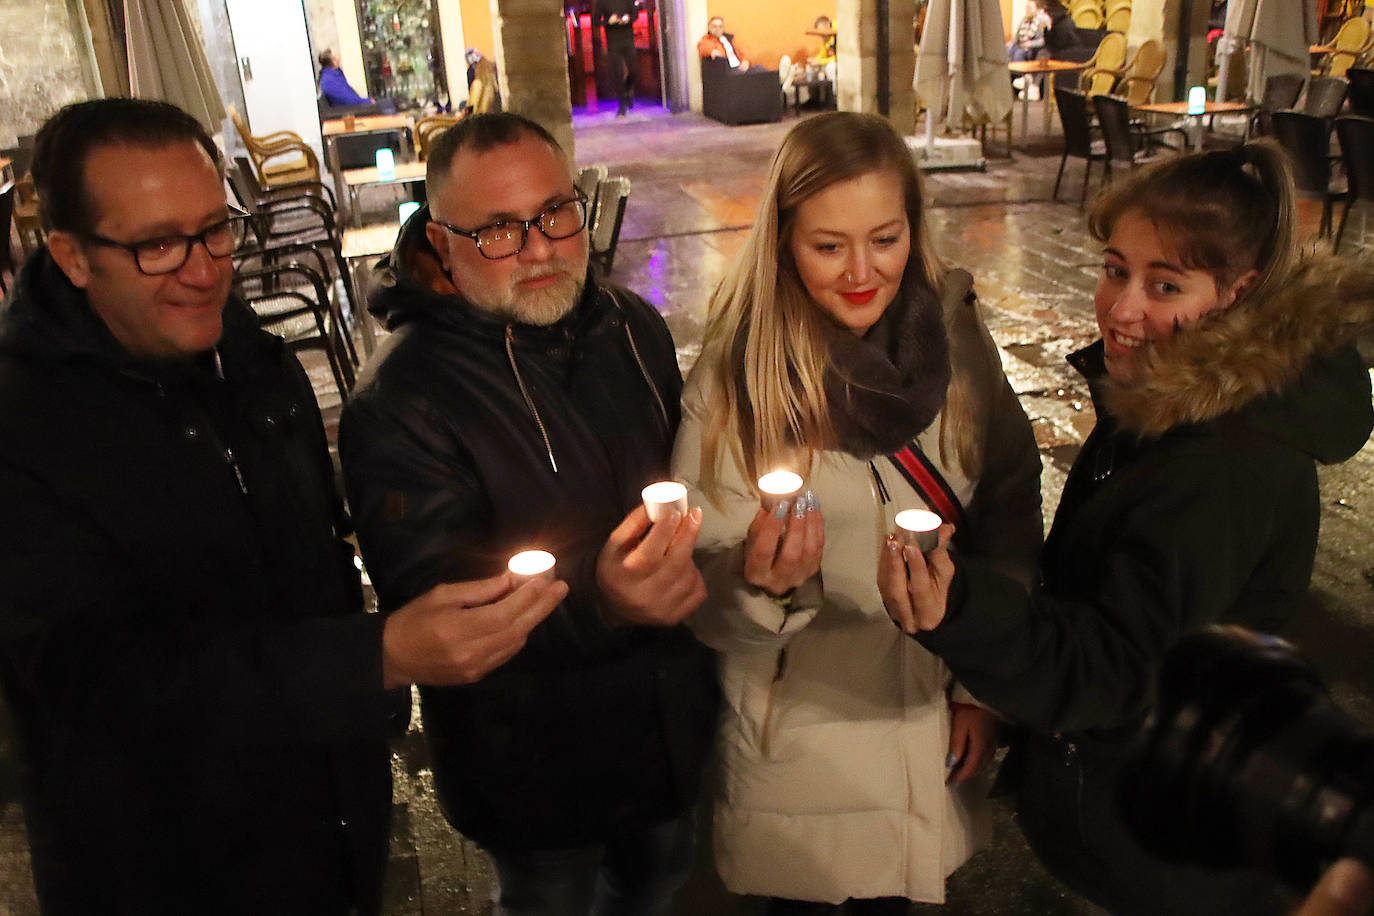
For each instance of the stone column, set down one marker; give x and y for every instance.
(857, 52)
(532, 61)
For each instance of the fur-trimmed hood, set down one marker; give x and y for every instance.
(1276, 357)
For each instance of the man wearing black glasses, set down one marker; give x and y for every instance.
(522, 402)
(200, 703)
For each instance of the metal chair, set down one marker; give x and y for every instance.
(1280, 91)
(1127, 144)
(1325, 96)
(1307, 140)
(1361, 96)
(292, 300)
(1356, 134)
(589, 180)
(604, 230)
(1078, 138)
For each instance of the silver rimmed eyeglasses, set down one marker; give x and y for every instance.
(167, 253)
(507, 237)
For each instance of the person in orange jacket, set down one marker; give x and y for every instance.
(719, 43)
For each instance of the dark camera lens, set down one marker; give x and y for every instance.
(1247, 762)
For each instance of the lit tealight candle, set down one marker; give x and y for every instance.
(777, 486)
(664, 497)
(531, 563)
(918, 527)
(386, 164)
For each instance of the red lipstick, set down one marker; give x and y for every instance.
(860, 297)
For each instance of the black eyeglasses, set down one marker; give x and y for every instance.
(167, 253)
(507, 237)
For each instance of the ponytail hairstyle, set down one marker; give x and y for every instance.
(1226, 212)
(765, 352)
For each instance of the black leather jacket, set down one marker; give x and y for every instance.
(469, 439)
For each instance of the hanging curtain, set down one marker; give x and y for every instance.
(167, 60)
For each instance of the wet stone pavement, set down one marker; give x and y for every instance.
(695, 188)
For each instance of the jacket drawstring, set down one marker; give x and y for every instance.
(529, 401)
(525, 393)
(634, 349)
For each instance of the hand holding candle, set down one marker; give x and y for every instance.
(783, 546)
(919, 528)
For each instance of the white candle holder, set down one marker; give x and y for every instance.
(918, 527)
(777, 486)
(531, 563)
(664, 497)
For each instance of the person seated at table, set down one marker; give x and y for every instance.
(336, 91)
(1061, 34)
(719, 43)
(820, 65)
(1030, 35)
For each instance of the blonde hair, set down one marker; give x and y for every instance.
(765, 351)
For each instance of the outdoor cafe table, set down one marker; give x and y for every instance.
(356, 179)
(1035, 68)
(362, 125)
(1194, 115)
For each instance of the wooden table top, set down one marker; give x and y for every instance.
(1043, 66)
(364, 124)
(405, 171)
(1181, 108)
(370, 241)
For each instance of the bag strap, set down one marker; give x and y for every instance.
(918, 470)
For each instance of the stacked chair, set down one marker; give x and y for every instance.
(1281, 91)
(291, 271)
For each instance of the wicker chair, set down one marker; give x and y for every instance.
(1138, 85)
(428, 129)
(1105, 67)
(281, 158)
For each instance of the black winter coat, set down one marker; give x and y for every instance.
(1193, 501)
(196, 691)
(451, 468)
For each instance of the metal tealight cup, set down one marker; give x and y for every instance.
(918, 527)
(664, 497)
(777, 486)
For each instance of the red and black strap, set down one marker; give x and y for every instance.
(918, 470)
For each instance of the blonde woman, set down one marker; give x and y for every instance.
(836, 342)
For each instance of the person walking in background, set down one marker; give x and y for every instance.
(521, 402)
(1225, 372)
(839, 347)
(617, 19)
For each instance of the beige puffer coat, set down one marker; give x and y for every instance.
(835, 726)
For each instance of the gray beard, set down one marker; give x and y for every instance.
(544, 307)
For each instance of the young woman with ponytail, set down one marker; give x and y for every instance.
(1225, 372)
(837, 342)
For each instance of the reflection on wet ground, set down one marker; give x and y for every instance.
(695, 188)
